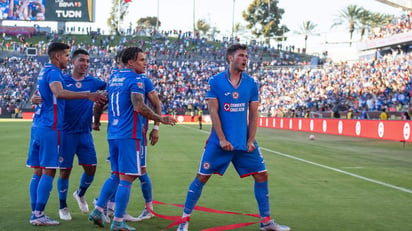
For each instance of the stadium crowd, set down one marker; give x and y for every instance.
(288, 86)
(370, 85)
(398, 25)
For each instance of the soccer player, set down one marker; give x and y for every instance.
(47, 134)
(200, 117)
(126, 106)
(151, 99)
(232, 98)
(97, 112)
(78, 137)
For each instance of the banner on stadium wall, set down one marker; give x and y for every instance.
(386, 42)
(15, 30)
(397, 130)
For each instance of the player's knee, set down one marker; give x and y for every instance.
(90, 170)
(261, 177)
(203, 178)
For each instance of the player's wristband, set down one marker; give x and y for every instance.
(156, 127)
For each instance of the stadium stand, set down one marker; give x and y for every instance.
(289, 86)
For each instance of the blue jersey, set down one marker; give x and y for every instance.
(51, 112)
(79, 112)
(124, 122)
(233, 107)
(148, 89)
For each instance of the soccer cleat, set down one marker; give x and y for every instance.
(97, 217)
(81, 202)
(42, 220)
(273, 226)
(64, 214)
(129, 218)
(145, 215)
(106, 217)
(183, 226)
(121, 225)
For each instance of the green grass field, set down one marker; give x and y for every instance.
(333, 183)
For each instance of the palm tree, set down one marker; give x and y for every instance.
(307, 29)
(351, 16)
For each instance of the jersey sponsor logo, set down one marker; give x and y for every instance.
(234, 107)
(235, 95)
(226, 106)
(140, 85)
(69, 85)
(227, 93)
(78, 84)
(116, 82)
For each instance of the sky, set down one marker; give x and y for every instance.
(178, 14)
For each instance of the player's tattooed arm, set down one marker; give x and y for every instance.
(97, 113)
(140, 107)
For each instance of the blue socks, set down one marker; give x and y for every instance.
(62, 188)
(33, 190)
(262, 198)
(193, 195)
(43, 192)
(85, 182)
(122, 198)
(146, 185)
(108, 189)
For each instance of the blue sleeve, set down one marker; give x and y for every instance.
(255, 92)
(148, 85)
(137, 86)
(100, 84)
(54, 76)
(210, 94)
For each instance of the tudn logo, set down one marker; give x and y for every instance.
(77, 4)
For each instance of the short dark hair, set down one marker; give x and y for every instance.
(130, 53)
(78, 52)
(56, 46)
(233, 48)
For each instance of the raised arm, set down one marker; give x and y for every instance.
(57, 89)
(140, 107)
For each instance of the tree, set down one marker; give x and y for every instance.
(350, 17)
(202, 26)
(263, 17)
(119, 10)
(307, 29)
(236, 28)
(148, 22)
